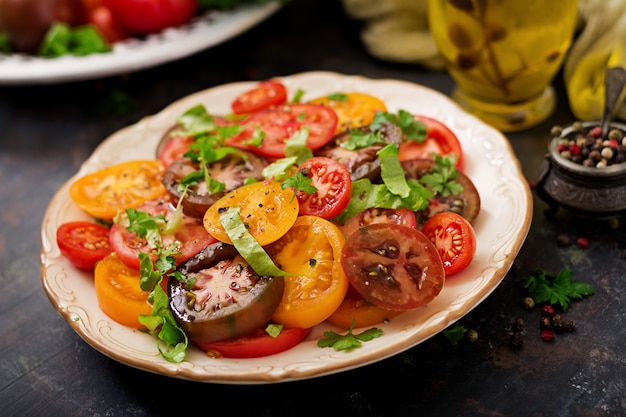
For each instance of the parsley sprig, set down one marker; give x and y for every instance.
(556, 289)
(350, 340)
(442, 178)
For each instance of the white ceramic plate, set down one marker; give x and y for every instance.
(203, 32)
(501, 228)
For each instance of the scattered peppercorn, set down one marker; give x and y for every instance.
(529, 302)
(471, 336)
(582, 242)
(545, 323)
(557, 324)
(563, 240)
(516, 341)
(519, 325)
(547, 311)
(569, 325)
(547, 335)
(585, 145)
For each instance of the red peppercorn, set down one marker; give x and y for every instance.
(582, 242)
(596, 131)
(547, 311)
(574, 149)
(547, 335)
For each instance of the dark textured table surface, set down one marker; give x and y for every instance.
(46, 369)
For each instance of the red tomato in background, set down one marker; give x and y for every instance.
(257, 345)
(83, 243)
(141, 17)
(454, 239)
(266, 94)
(439, 139)
(334, 188)
(281, 123)
(102, 18)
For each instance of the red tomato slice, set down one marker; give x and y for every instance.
(175, 148)
(266, 94)
(255, 346)
(393, 266)
(334, 188)
(454, 238)
(190, 238)
(150, 16)
(83, 243)
(281, 123)
(439, 140)
(403, 216)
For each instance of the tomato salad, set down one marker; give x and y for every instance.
(247, 230)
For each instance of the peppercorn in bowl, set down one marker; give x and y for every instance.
(584, 170)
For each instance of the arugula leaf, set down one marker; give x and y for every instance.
(350, 340)
(556, 289)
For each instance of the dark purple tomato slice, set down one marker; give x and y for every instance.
(227, 299)
(393, 266)
(466, 203)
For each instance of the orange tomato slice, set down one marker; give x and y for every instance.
(108, 191)
(364, 314)
(266, 209)
(353, 109)
(311, 250)
(118, 292)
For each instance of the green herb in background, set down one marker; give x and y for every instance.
(5, 46)
(61, 39)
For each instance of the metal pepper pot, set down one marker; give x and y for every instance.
(583, 190)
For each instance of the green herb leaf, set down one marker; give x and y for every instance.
(441, 179)
(555, 289)
(299, 182)
(455, 333)
(412, 129)
(359, 139)
(349, 341)
(273, 329)
(337, 97)
(365, 195)
(247, 245)
(392, 173)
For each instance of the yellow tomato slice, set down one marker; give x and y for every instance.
(266, 209)
(118, 292)
(311, 251)
(353, 109)
(119, 187)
